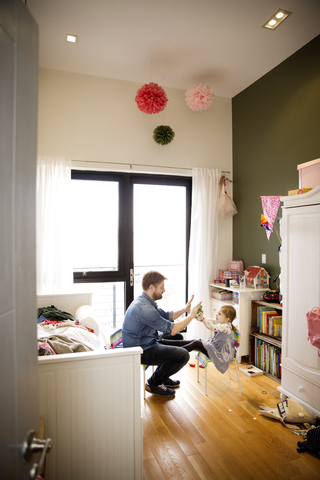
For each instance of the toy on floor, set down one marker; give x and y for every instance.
(291, 412)
(193, 365)
(312, 443)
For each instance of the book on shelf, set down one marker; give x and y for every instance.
(275, 326)
(267, 357)
(251, 370)
(265, 315)
(269, 321)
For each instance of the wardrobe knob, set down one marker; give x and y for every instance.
(301, 389)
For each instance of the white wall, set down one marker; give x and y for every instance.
(96, 119)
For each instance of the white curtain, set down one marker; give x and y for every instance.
(203, 248)
(54, 268)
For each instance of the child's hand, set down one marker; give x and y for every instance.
(199, 315)
(194, 311)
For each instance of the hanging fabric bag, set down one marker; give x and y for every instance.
(226, 205)
(313, 320)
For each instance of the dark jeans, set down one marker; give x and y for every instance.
(177, 336)
(170, 360)
(170, 356)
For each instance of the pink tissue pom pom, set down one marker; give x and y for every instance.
(199, 97)
(151, 98)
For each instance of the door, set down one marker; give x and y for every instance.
(18, 150)
(131, 224)
(161, 223)
(300, 267)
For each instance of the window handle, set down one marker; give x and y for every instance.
(132, 275)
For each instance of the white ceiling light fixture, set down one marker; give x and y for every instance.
(72, 38)
(276, 19)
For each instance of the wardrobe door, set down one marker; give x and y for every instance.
(300, 276)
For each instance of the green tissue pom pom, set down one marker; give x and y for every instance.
(163, 134)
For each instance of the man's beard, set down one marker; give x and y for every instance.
(157, 296)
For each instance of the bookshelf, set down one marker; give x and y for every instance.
(265, 348)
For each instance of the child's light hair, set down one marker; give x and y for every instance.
(230, 312)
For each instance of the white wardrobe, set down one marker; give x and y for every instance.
(300, 287)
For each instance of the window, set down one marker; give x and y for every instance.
(126, 225)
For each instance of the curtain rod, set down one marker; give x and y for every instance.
(141, 165)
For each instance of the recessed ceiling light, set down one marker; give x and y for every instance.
(276, 19)
(72, 38)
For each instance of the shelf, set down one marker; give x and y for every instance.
(276, 306)
(275, 341)
(225, 302)
(254, 319)
(238, 289)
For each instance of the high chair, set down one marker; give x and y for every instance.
(116, 338)
(204, 360)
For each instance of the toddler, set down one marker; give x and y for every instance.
(220, 348)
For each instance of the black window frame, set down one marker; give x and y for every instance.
(125, 259)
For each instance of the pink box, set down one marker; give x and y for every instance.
(236, 265)
(309, 174)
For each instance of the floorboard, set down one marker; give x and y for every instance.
(221, 435)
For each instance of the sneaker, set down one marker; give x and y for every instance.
(172, 383)
(160, 390)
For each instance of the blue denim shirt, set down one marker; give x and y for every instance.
(142, 321)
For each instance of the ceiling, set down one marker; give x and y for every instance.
(175, 43)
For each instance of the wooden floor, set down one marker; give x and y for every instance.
(220, 436)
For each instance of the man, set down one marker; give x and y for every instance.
(141, 326)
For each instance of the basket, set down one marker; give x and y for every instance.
(309, 174)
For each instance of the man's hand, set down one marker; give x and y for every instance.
(188, 305)
(186, 309)
(182, 324)
(195, 309)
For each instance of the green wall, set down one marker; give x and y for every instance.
(276, 126)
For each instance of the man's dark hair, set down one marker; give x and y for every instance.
(152, 278)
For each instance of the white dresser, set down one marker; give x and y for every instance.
(300, 287)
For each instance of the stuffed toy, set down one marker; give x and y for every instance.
(294, 414)
(86, 316)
